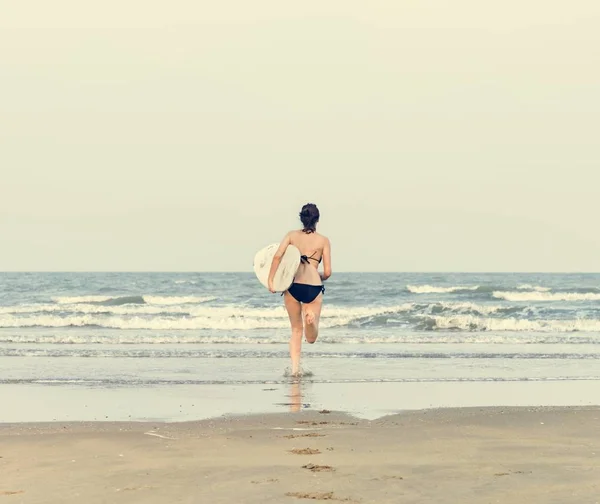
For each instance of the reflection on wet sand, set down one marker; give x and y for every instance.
(295, 396)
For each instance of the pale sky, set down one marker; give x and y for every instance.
(448, 135)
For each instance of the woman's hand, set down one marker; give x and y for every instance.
(271, 288)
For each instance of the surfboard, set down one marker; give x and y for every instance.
(284, 276)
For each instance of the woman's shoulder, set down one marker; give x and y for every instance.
(322, 237)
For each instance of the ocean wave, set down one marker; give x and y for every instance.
(80, 299)
(128, 382)
(216, 318)
(177, 300)
(270, 352)
(471, 307)
(105, 309)
(474, 323)
(221, 317)
(97, 309)
(430, 289)
(203, 316)
(535, 288)
(274, 337)
(465, 289)
(121, 300)
(145, 323)
(226, 311)
(546, 296)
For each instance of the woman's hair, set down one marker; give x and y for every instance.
(309, 215)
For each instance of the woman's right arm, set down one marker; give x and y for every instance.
(277, 259)
(326, 260)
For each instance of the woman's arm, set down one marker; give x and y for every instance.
(277, 259)
(326, 260)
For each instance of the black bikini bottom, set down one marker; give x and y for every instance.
(305, 293)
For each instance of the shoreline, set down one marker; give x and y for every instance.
(260, 418)
(468, 455)
(39, 403)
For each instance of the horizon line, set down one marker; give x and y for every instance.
(473, 272)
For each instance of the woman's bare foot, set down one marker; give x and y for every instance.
(310, 326)
(295, 373)
(309, 317)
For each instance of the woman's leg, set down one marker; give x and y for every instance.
(312, 313)
(294, 310)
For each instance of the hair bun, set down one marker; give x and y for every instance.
(309, 215)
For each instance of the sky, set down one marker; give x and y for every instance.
(184, 136)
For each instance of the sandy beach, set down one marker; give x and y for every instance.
(463, 455)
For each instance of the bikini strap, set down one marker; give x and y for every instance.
(304, 258)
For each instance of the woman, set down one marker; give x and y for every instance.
(304, 298)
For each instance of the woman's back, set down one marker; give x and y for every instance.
(312, 247)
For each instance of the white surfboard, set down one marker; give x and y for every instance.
(284, 276)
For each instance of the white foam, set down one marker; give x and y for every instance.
(474, 323)
(81, 299)
(122, 337)
(237, 310)
(156, 300)
(430, 289)
(186, 317)
(546, 296)
(125, 309)
(282, 337)
(535, 288)
(177, 300)
(136, 322)
(462, 307)
(216, 317)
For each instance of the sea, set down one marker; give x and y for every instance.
(164, 333)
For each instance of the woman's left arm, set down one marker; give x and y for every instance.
(326, 260)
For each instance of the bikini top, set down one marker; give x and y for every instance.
(304, 258)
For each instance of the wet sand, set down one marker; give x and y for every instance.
(461, 455)
(369, 401)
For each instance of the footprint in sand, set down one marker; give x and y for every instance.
(133, 489)
(310, 434)
(14, 492)
(318, 496)
(512, 472)
(305, 451)
(318, 468)
(311, 495)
